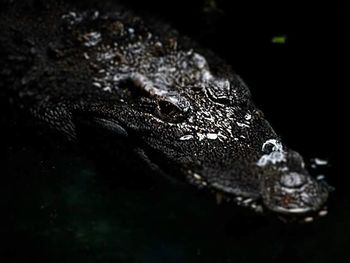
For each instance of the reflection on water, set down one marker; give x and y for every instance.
(56, 205)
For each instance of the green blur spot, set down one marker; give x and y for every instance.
(279, 39)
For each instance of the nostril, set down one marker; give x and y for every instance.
(268, 148)
(272, 145)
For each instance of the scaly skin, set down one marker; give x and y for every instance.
(190, 113)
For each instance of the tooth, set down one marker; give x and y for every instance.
(323, 213)
(197, 176)
(320, 177)
(219, 198)
(308, 219)
(238, 198)
(247, 201)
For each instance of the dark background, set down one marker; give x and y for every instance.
(56, 206)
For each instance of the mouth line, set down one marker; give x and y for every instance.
(241, 201)
(228, 195)
(303, 218)
(295, 215)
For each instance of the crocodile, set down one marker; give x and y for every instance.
(185, 109)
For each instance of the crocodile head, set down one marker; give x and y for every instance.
(197, 121)
(191, 115)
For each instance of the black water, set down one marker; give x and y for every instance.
(57, 205)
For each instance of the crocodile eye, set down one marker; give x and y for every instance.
(170, 112)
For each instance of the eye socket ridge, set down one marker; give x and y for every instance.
(171, 112)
